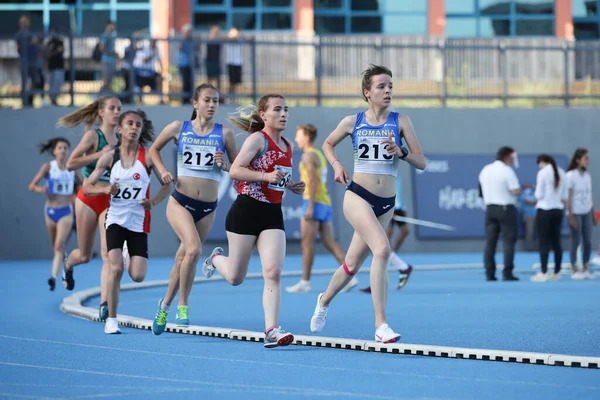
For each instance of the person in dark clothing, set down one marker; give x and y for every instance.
(499, 187)
(551, 196)
(55, 51)
(213, 57)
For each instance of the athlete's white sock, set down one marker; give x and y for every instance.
(304, 282)
(397, 262)
(164, 307)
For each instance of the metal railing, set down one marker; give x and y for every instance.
(312, 70)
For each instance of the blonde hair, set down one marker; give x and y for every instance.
(89, 115)
(247, 118)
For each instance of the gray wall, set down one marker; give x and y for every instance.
(449, 131)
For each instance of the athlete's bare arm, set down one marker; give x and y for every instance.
(415, 157)
(85, 152)
(90, 188)
(42, 173)
(170, 132)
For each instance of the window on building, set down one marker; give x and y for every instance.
(246, 14)
(9, 22)
(80, 16)
(132, 21)
(490, 18)
(586, 21)
(382, 16)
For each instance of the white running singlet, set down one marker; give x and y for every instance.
(125, 208)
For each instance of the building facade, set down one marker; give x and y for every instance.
(577, 19)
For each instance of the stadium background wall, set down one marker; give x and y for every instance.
(441, 131)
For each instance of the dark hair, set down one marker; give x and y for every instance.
(504, 152)
(574, 163)
(248, 118)
(550, 160)
(368, 75)
(50, 145)
(147, 134)
(88, 114)
(196, 96)
(309, 130)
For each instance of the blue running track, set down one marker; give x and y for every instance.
(46, 354)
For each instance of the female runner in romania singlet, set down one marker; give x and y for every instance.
(369, 200)
(201, 163)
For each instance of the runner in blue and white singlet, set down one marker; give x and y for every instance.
(377, 141)
(201, 167)
(59, 188)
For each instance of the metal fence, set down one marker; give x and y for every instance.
(325, 70)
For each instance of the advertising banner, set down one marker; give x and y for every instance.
(447, 192)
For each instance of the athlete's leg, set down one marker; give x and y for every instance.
(234, 267)
(63, 227)
(87, 221)
(186, 276)
(400, 239)
(370, 229)
(113, 280)
(328, 239)
(51, 227)
(183, 224)
(308, 229)
(173, 287)
(271, 249)
(104, 254)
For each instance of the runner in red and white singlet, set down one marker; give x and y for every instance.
(264, 171)
(128, 216)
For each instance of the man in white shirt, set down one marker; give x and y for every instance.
(499, 187)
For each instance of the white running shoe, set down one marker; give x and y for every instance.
(111, 326)
(278, 337)
(540, 277)
(588, 275)
(300, 287)
(385, 334)
(208, 269)
(350, 285)
(553, 277)
(317, 322)
(578, 276)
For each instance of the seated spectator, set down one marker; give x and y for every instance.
(145, 63)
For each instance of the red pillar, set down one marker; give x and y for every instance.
(436, 18)
(563, 22)
(304, 15)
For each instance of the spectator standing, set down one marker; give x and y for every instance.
(30, 58)
(234, 60)
(55, 51)
(527, 205)
(551, 194)
(213, 57)
(500, 187)
(109, 55)
(184, 62)
(580, 211)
